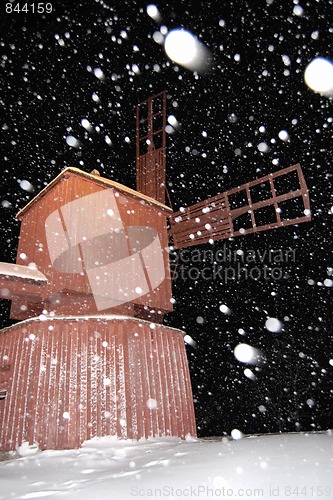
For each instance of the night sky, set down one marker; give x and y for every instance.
(253, 90)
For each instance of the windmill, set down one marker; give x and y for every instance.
(90, 355)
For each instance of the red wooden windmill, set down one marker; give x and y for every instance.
(90, 356)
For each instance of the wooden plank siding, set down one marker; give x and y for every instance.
(72, 379)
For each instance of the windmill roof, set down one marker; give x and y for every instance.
(102, 181)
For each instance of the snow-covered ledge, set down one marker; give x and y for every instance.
(21, 272)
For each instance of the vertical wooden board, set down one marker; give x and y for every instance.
(17, 394)
(26, 384)
(51, 394)
(44, 391)
(4, 386)
(25, 415)
(104, 380)
(4, 351)
(132, 383)
(34, 379)
(100, 385)
(21, 389)
(179, 349)
(187, 398)
(137, 402)
(177, 385)
(146, 382)
(189, 395)
(164, 406)
(98, 381)
(112, 359)
(94, 380)
(150, 336)
(7, 355)
(137, 380)
(42, 386)
(141, 381)
(62, 422)
(72, 388)
(55, 404)
(121, 384)
(66, 339)
(157, 381)
(89, 401)
(53, 399)
(90, 385)
(109, 387)
(105, 393)
(135, 349)
(109, 371)
(128, 385)
(154, 380)
(10, 431)
(172, 409)
(82, 376)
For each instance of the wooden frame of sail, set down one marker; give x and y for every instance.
(215, 218)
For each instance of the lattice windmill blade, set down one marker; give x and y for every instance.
(151, 146)
(275, 200)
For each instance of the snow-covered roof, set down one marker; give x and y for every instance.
(97, 179)
(86, 317)
(19, 271)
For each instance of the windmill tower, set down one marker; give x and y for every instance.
(90, 356)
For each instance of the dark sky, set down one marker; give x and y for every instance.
(254, 89)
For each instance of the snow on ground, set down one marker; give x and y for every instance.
(267, 466)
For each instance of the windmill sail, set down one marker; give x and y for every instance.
(275, 200)
(151, 146)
